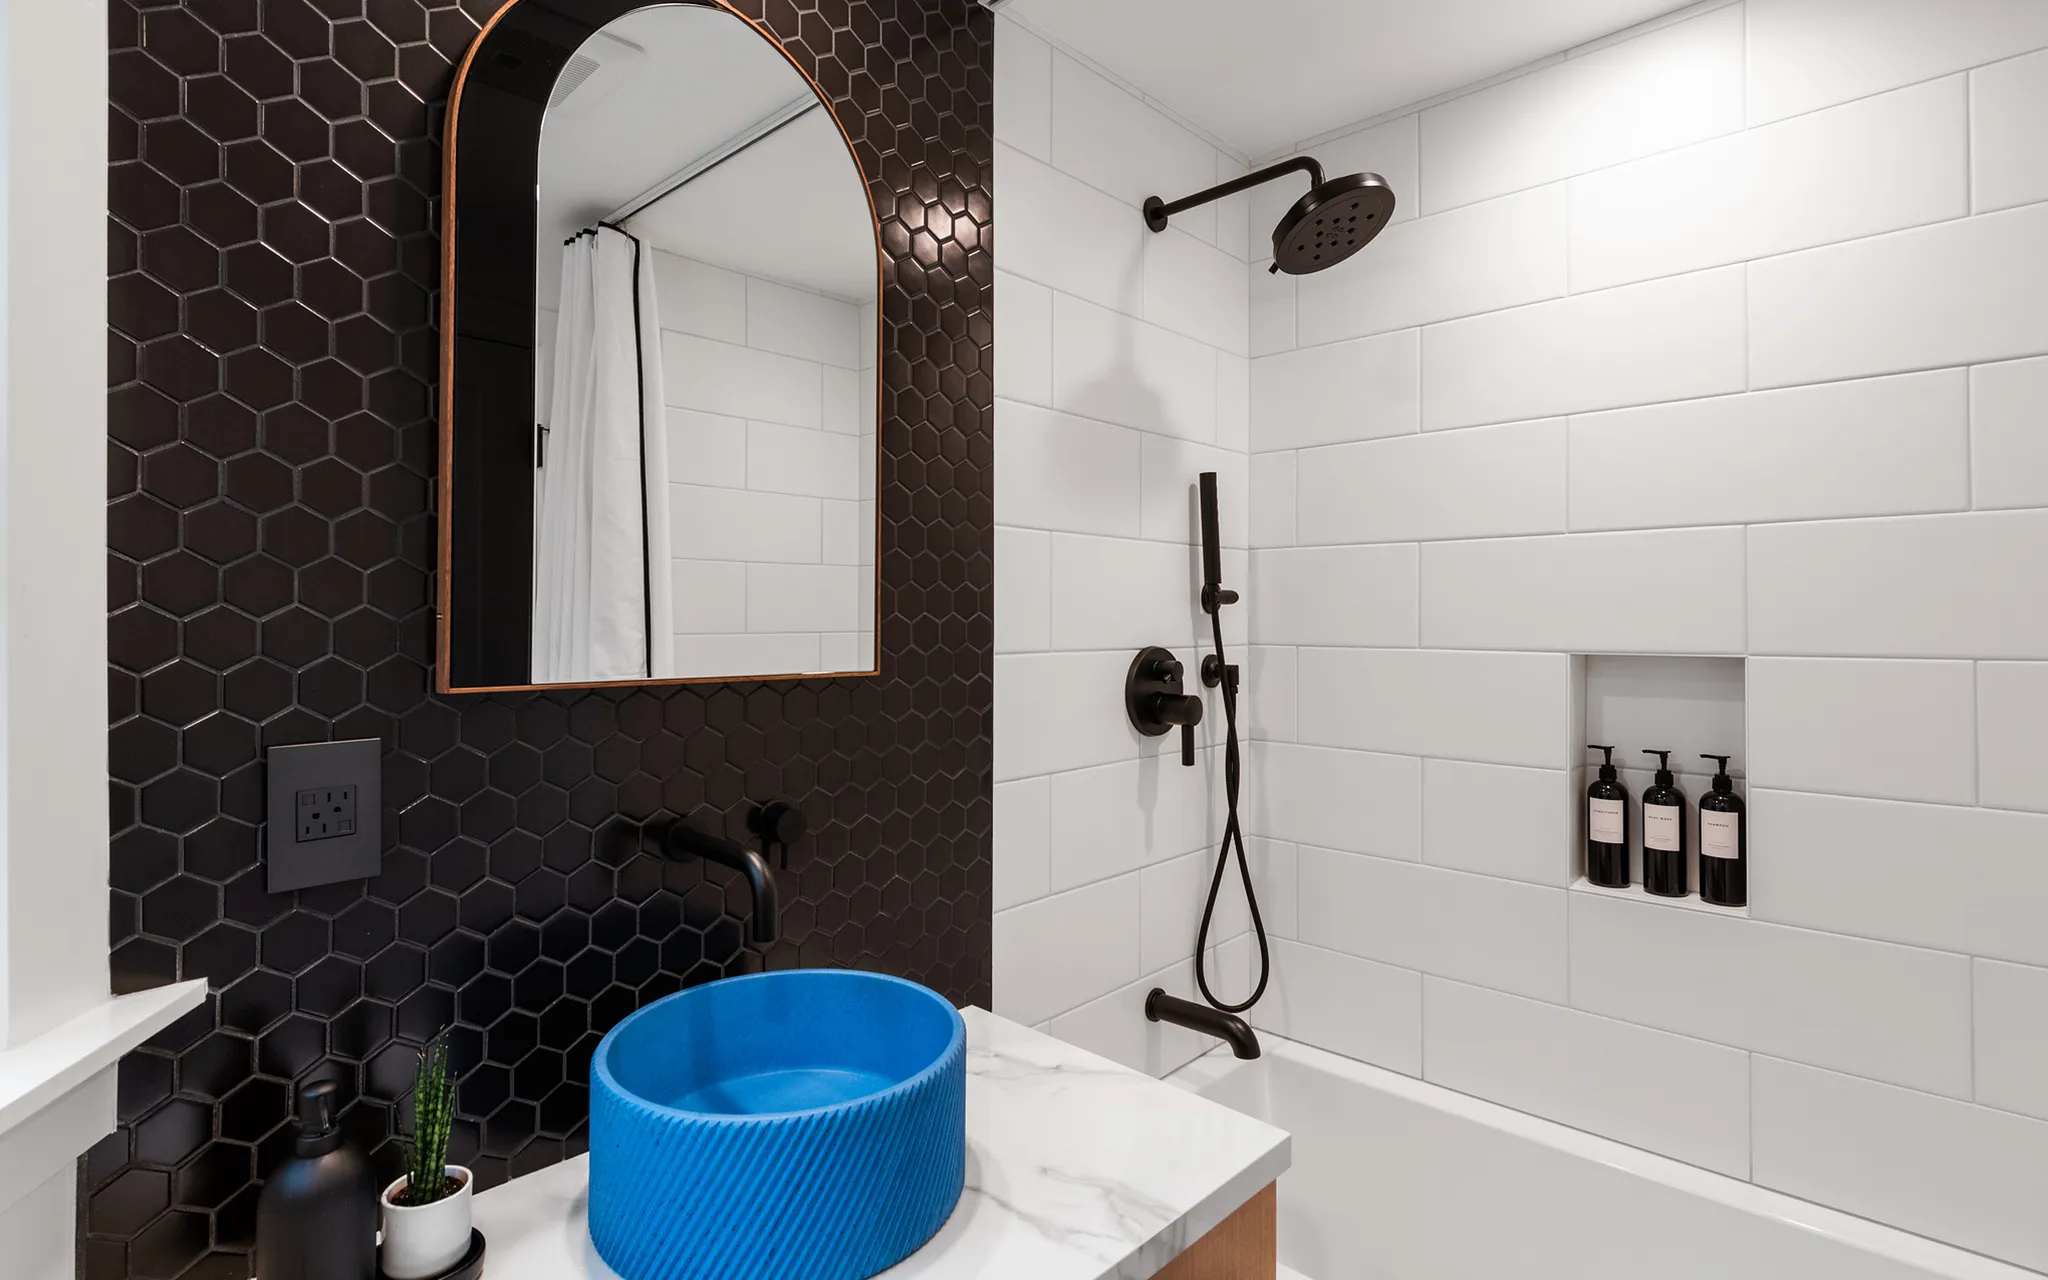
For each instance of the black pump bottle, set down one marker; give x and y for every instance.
(317, 1216)
(1724, 842)
(1607, 826)
(1664, 833)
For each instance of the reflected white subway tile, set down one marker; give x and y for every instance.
(1881, 446)
(1587, 592)
(805, 597)
(1928, 875)
(2011, 1022)
(709, 595)
(796, 322)
(740, 382)
(1347, 391)
(1024, 356)
(1061, 952)
(1497, 933)
(733, 524)
(1023, 590)
(1484, 257)
(1887, 1012)
(707, 449)
(1360, 801)
(696, 297)
(1112, 368)
(845, 392)
(1672, 339)
(1499, 820)
(844, 651)
(1595, 1074)
(1364, 1010)
(1649, 94)
(749, 653)
(1057, 472)
(817, 464)
(842, 538)
(1483, 482)
(2008, 447)
(1960, 292)
(2008, 101)
(1799, 59)
(1022, 841)
(1334, 596)
(1968, 1175)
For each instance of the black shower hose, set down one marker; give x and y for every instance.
(1233, 838)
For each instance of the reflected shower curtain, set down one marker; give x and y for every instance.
(601, 586)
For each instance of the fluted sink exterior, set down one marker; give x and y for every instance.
(691, 1178)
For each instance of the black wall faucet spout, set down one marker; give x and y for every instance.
(1227, 1027)
(685, 840)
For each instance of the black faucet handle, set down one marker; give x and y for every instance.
(780, 824)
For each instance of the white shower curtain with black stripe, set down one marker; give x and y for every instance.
(601, 607)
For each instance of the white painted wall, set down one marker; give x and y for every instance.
(1121, 374)
(1723, 337)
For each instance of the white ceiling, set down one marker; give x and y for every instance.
(1263, 75)
(680, 82)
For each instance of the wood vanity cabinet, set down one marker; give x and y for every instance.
(1241, 1247)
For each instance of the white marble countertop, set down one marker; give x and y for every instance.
(1077, 1169)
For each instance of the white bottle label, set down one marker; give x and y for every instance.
(1720, 834)
(1660, 827)
(1603, 821)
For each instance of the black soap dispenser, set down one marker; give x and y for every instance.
(1607, 826)
(1724, 841)
(317, 1216)
(1664, 833)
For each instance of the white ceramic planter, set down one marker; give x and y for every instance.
(425, 1240)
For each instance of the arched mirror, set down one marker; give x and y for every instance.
(660, 338)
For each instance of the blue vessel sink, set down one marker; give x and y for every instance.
(809, 1124)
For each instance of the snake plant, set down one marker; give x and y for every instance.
(433, 1110)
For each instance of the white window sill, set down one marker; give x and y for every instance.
(39, 1072)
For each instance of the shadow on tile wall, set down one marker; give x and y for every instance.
(273, 264)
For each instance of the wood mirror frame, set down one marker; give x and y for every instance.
(489, 307)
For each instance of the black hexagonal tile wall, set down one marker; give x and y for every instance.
(271, 538)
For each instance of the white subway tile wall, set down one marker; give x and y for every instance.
(1122, 374)
(1725, 342)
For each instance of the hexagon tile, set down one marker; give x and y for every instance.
(270, 539)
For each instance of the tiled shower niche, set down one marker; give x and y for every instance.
(1687, 705)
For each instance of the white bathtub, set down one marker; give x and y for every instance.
(1395, 1179)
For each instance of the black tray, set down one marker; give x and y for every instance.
(469, 1268)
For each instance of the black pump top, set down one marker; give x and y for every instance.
(318, 1134)
(1664, 778)
(1607, 773)
(1722, 782)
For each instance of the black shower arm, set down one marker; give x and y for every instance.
(1158, 211)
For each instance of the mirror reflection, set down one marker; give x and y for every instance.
(704, 365)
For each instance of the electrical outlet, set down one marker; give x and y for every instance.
(325, 800)
(327, 812)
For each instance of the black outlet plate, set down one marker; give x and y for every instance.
(324, 802)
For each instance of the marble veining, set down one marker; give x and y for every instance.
(1077, 1169)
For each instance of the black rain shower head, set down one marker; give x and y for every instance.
(1336, 219)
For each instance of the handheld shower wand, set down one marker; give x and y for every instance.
(1218, 672)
